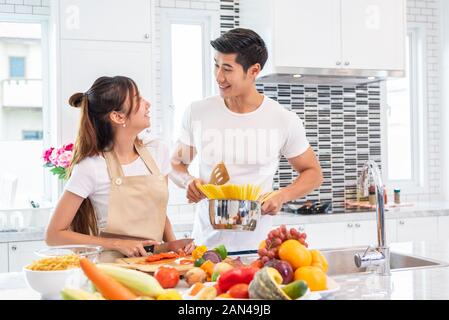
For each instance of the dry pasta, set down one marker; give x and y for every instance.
(56, 263)
(231, 191)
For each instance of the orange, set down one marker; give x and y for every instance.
(319, 260)
(295, 253)
(315, 277)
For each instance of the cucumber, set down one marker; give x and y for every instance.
(296, 289)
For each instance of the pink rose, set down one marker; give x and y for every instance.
(68, 147)
(65, 159)
(54, 157)
(46, 155)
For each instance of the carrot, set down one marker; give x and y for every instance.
(110, 288)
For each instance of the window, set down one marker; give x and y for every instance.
(405, 119)
(17, 67)
(187, 58)
(23, 109)
(32, 135)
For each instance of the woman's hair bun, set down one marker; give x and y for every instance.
(76, 100)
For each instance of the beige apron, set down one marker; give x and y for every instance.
(137, 204)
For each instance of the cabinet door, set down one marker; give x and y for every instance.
(3, 257)
(373, 34)
(307, 33)
(113, 20)
(329, 235)
(82, 62)
(365, 232)
(22, 253)
(418, 229)
(443, 228)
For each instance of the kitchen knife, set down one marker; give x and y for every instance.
(168, 246)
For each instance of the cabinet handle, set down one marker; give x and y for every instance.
(147, 36)
(401, 222)
(349, 225)
(357, 225)
(14, 248)
(347, 63)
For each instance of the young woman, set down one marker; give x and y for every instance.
(117, 193)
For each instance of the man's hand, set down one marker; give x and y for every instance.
(274, 204)
(193, 193)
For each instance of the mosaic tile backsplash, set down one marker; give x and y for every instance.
(343, 127)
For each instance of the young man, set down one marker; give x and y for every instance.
(248, 132)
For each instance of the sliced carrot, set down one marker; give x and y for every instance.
(110, 288)
(162, 256)
(196, 288)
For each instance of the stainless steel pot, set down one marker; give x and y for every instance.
(235, 215)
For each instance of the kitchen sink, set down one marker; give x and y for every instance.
(341, 261)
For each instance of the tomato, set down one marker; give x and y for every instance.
(168, 277)
(239, 291)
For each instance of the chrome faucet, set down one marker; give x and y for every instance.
(375, 256)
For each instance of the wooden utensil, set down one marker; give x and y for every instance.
(219, 174)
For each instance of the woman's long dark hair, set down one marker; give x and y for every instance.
(96, 134)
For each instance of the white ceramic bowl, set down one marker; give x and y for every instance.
(50, 283)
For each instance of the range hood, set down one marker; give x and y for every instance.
(322, 76)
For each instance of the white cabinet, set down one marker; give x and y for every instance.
(417, 229)
(22, 253)
(106, 20)
(182, 234)
(443, 228)
(345, 234)
(330, 36)
(82, 62)
(307, 33)
(373, 34)
(3, 257)
(328, 235)
(365, 232)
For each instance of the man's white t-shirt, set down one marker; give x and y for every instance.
(250, 145)
(90, 178)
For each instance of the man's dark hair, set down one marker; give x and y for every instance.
(247, 44)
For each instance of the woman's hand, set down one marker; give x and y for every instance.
(133, 248)
(188, 249)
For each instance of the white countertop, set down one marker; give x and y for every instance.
(430, 283)
(185, 223)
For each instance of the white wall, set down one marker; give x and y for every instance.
(427, 12)
(445, 98)
(37, 7)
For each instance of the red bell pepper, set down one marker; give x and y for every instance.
(236, 276)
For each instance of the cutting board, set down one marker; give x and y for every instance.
(151, 267)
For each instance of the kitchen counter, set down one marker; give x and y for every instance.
(185, 223)
(430, 283)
